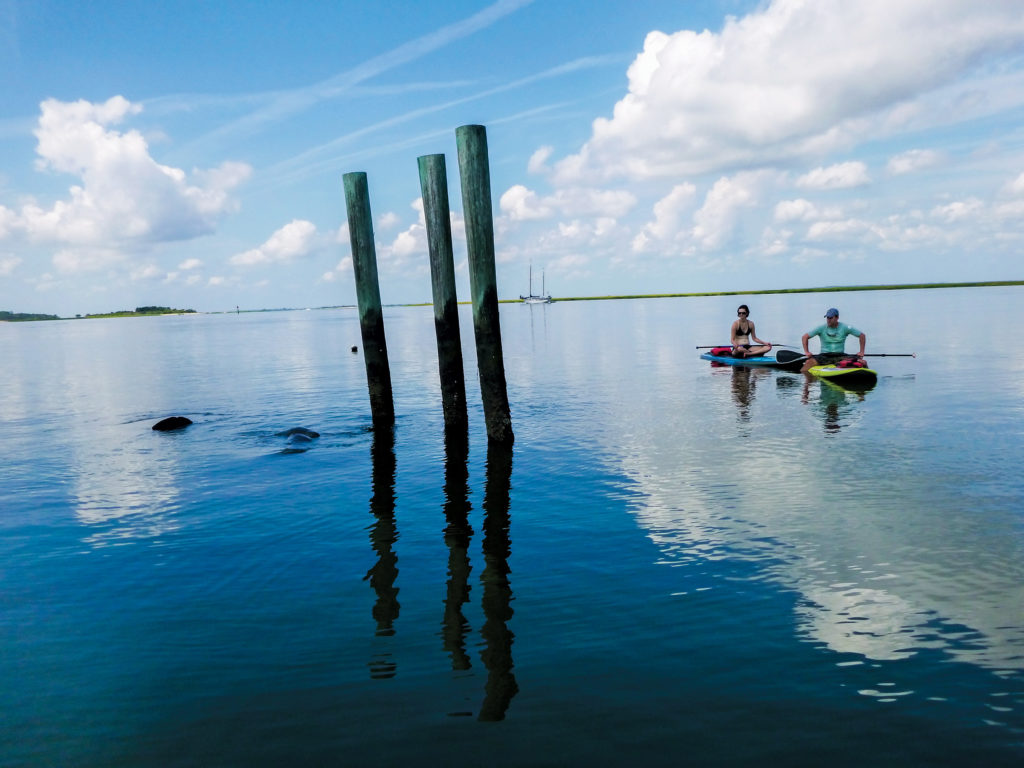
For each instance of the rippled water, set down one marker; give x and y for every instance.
(675, 563)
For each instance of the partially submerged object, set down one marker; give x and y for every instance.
(299, 435)
(172, 423)
(299, 439)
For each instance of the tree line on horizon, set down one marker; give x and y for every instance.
(6, 316)
(15, 317)
(152, 310)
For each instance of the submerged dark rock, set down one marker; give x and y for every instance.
(299, 439)
(171, 423)
(299, 435)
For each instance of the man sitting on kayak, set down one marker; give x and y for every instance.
(833, 341)
(742, 332)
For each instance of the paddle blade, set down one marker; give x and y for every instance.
(789, 356)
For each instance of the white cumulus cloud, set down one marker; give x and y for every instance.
(522, 204)
(668, 212)
(408, 250)
(716, 221)
(519, 203)
(912, 160)
(410, 242)
(585, 201)
(794, 79)
(147, 272)
(538, 162)
(838, 176)
(958, 210)
(123, 196)
(795, 210)
(388, 220)
(832, 230)
(7, 221)
(294, 240)
(1016, 187)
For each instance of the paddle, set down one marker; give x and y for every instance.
(880, 354)
(785, 356)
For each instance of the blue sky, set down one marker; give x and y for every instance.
(191, 154)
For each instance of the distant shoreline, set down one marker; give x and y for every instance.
(822, 289)
(18, 317)
(698, 294)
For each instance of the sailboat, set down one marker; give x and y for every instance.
(534, 298)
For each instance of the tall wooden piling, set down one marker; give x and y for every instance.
(474, 171)
(434, 187)
(371, 318)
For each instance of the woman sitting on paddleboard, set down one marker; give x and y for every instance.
(742, 332)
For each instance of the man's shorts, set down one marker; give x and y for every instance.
(830, 358)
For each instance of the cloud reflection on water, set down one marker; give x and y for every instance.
(124, 478)
(886, 562)
(883, 511)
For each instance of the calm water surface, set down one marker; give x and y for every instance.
(675, 563)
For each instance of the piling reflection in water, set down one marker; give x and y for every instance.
(383, 535)
(457, 535)
(496, 646)
(501, 684)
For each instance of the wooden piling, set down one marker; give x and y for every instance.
(371, 318)
(434, 187)
(475, 173)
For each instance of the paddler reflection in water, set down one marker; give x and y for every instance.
(742, 332)
(833, 341)
(834, 403)
(744, 387)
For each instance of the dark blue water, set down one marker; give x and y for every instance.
(673, 564)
